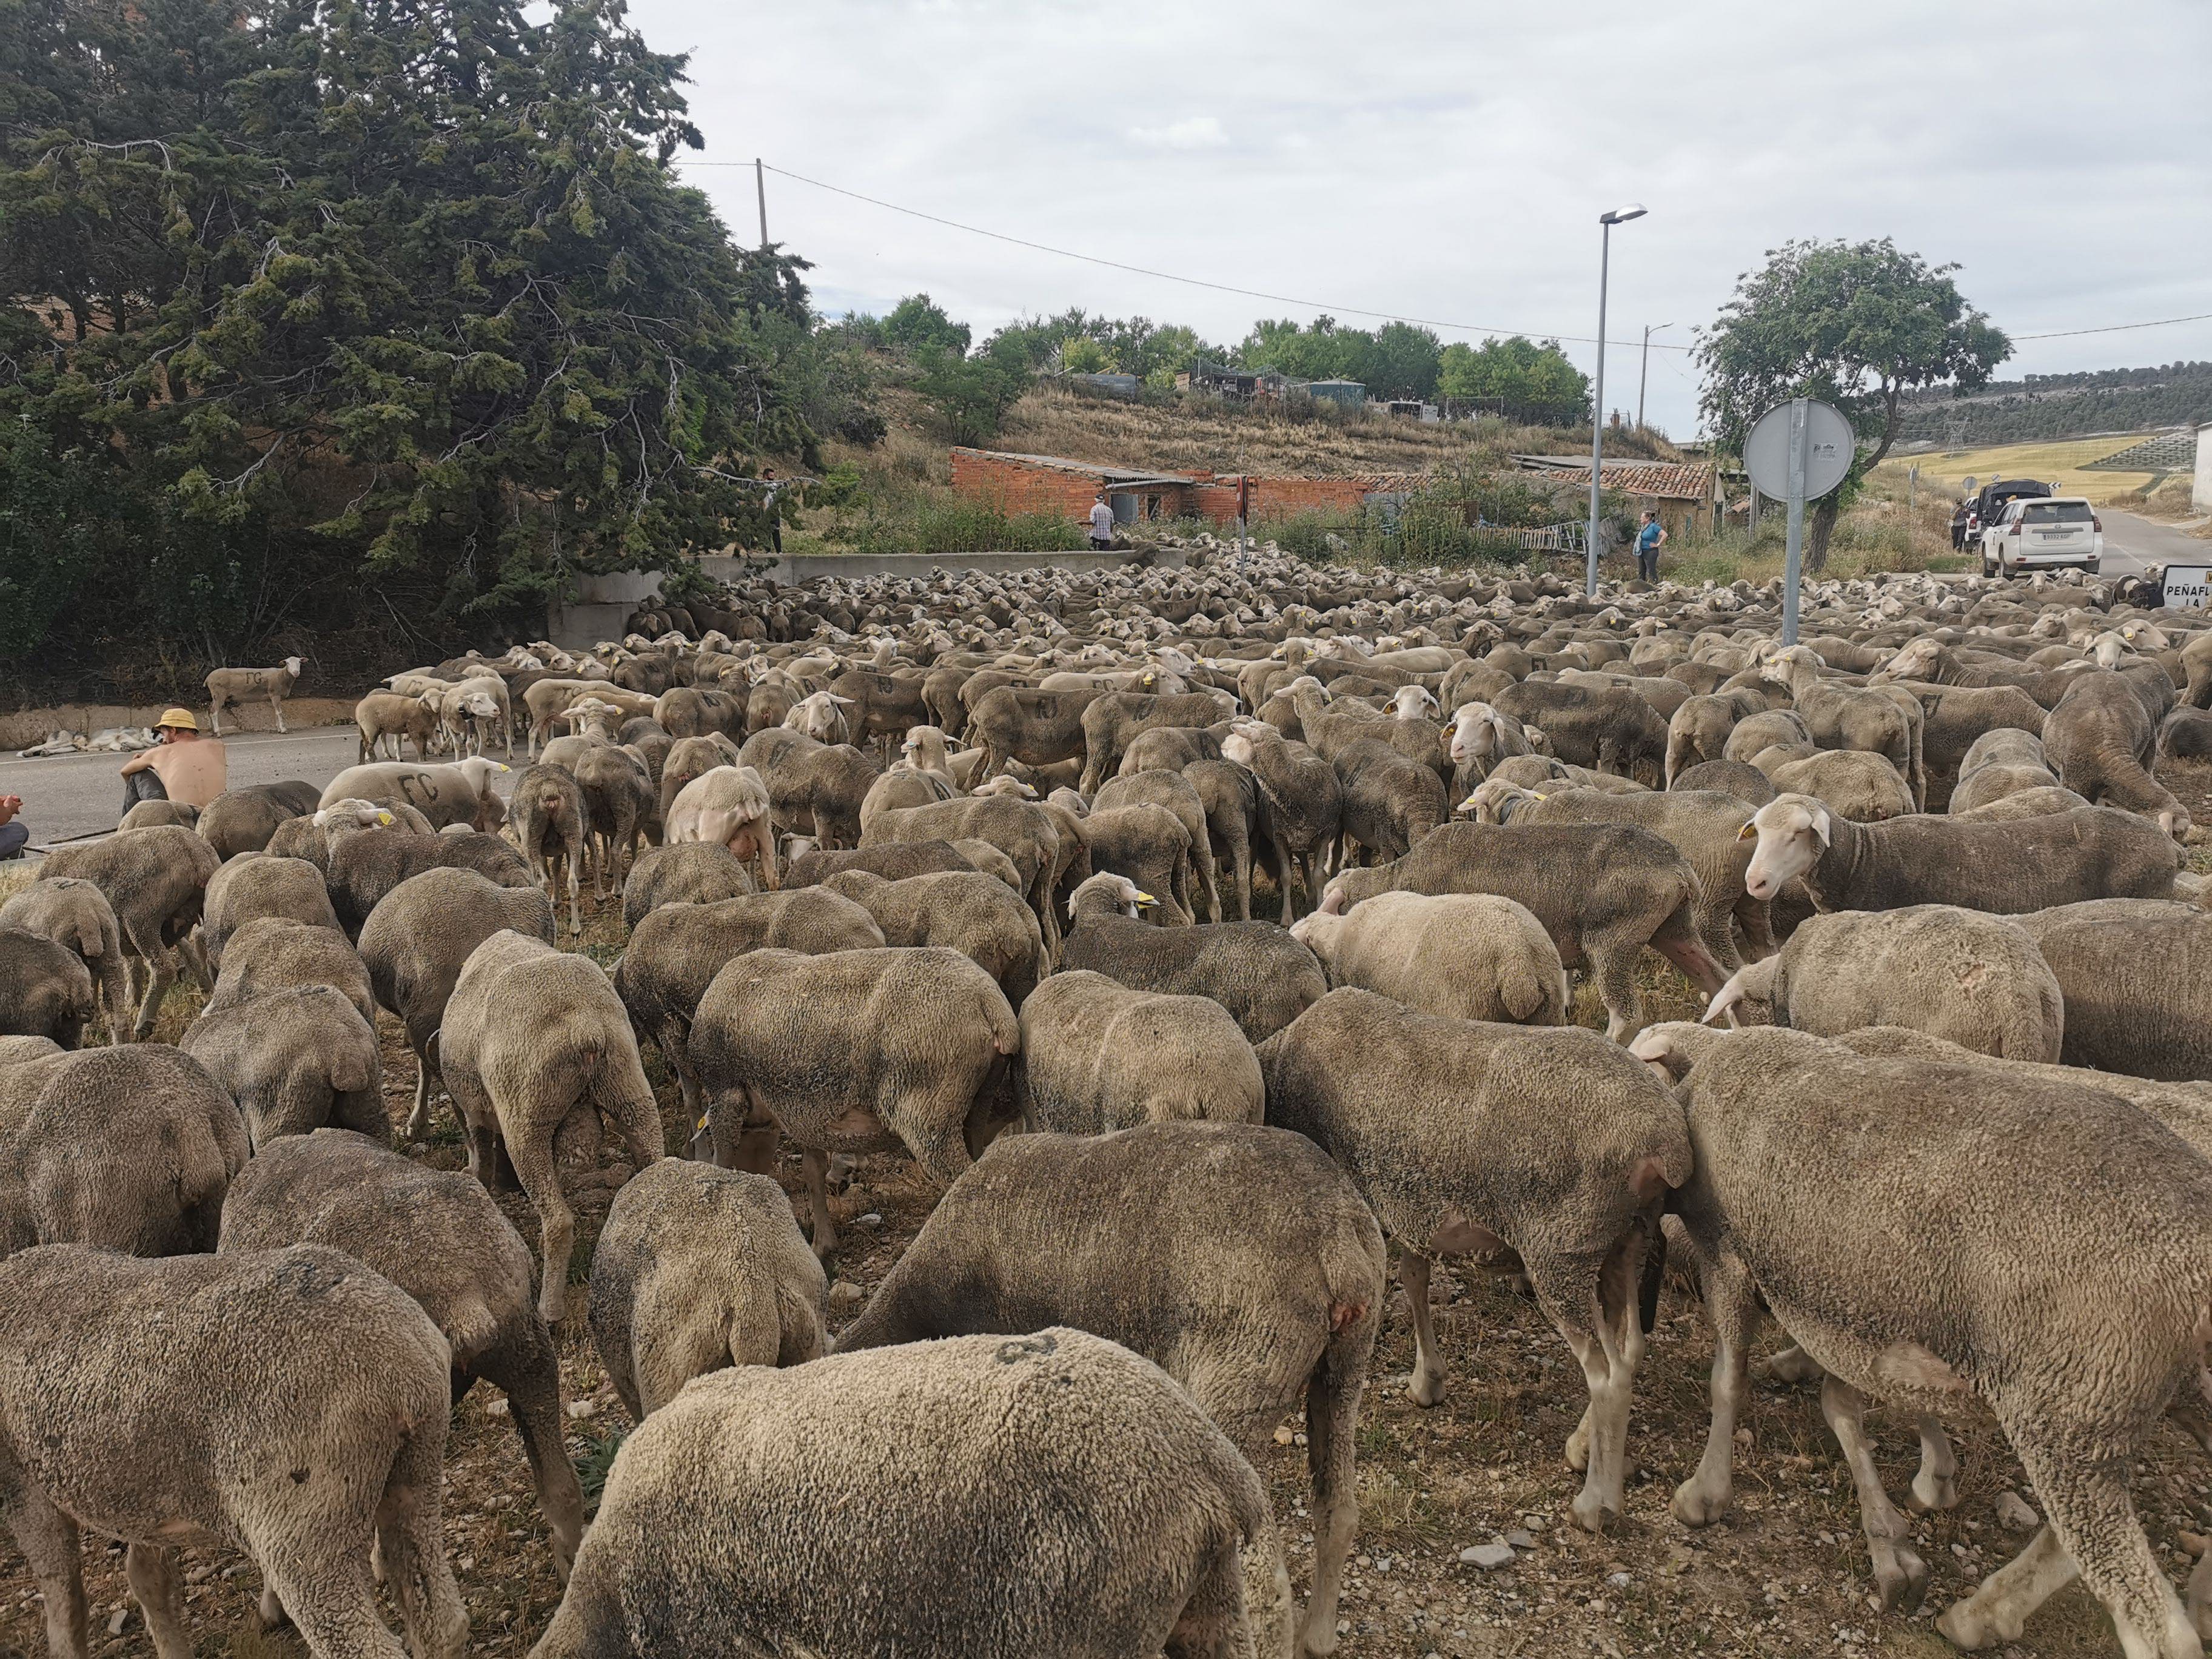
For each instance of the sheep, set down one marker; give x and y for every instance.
(2185, 734)
(1114, 717)
(1025, 832)
(1467, 956)
(546, 699)
(856, 1051)
(2029, 863)
(1171, 748)
(1387, 803)
(461, 793)
(1172, 791)
(1300, 802)
(535, 1048)
(1050, 1496)
(978, 916)
(1755, 734)
(814, 789)
(383, 719)
(1809, 1196)
(1605, 728)
(46, 989)
(1886, 721)
(262, 1367)
(1971, 978)
(893, 861)
(130, 1149)
(1010, 723)
(1149, 845)
(1602, 892)
(727, 806)
(1230, 798)
(821, 716)
(309, 837)
(146, 814)
(2137, 982)
(419, 937)
(552, 825)
(2100, 738)
(243, 820)
(1738, 778)
(366, 865)
(621, 808)
(1255, 969)
(1552, 1148)
(254, 885)
(688, 758)
(228, 688)
(275, 952)
(1700, 727)
(1857, 783)
(2002, 762)
(294, 1060)
(1286, 1303)
(698, 872)
(1958, 715)
(460, 1259)
(676, 951)
(465, 707)
(1097, 1056)
(76, 915)
(155, 880)
(698, 1268)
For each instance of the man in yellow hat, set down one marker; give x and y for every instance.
(184, 766)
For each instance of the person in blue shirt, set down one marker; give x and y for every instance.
(1649, 540)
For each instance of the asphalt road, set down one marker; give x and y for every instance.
(71, 795)
(2132, 545)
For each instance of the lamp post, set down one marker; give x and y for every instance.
(1643, 377)
(1620, 216)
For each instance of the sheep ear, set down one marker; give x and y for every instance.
(1820, 826)
(1749, 832)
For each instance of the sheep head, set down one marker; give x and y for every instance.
(1792, 832)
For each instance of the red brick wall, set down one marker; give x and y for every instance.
(1025, 486)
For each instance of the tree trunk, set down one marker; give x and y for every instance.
(1823, 526)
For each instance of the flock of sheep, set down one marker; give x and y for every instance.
(964, 863)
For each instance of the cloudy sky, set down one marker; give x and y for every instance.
(1447, 161)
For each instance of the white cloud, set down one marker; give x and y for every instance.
(1193, 132)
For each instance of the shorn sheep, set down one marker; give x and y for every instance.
(226, 688)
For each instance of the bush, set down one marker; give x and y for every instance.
(934, 525)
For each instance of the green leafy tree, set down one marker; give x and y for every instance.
(1403, 362)
(970, 395)
(918, 323)
(1859, 324)
(1535, 383)
(1084, 355)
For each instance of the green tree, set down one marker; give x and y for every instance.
(1856, 324)
(970, 395)
(1535, 383)
(919, 324)
(1402, 361)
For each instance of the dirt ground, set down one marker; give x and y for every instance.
(1785, 1573)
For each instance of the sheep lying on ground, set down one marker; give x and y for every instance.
(1809, 1196)
(1468, 955)
(302, 1401)
(536, 1049)
(2136, 974)
(275, 952)
(1098, 1056)
(226, 688)
(856, 1051)
(294, 1060)
(45, 990)
(155, 880)
(76, 915)
(1249, 1318)
(439, 1237)
(1050, 1496)
(698, 1268)
(1973, 979)
(1552, 1148)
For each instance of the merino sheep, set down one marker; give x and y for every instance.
(1112, 719)
(417, 939)
(294, 1060)
(228, 688)
(439, 1237)
(1809, 1197)
(273, 953)
(1149, 845)
(366, 865)
(1971, 978)
(1885, 720)
(155, 880)
(1255, 969)
(1025, 832)
(1738, 778)
(146, 814)
(382, 718)
(553, 827)
(2005, 868)
(536, 1049)
(1857, 783)
(76, 915)
(726, 806)
(243, 820)
(2137, 976)
(1467, 956)
(855, 1051)
(254, 885)
(461, 793)
(978, 916)
(1300, 805)
(1605, 728)
(1602, 891)
(1548, 1148)
(1097, 1056)
(697, 873)
(1250, 1317)
(893, 861)
(2101, 738)
(621, 809)
(46, 989)
(698, 1268)
(1050, 1496)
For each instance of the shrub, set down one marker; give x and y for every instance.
(934, 525)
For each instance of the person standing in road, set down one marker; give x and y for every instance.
(1649, 540)
(183, 767)
(1102, 524)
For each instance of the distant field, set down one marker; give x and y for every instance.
(2059, 463)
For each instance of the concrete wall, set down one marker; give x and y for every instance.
(2200, 492)
(31, 726)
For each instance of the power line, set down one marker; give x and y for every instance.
(1171, 277)
(2115, 328)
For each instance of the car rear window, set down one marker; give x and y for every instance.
(2057, 512)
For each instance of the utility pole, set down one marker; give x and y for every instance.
(760, 188)
(1643, 378)
(1620, 216)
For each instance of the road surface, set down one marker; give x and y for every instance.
(71, 795)
(2132, 545)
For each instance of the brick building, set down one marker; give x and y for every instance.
(1684, 495)
(1048, 484)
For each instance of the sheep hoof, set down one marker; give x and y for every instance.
(1932, 1492)
(1964, 1629)
(1423, 1389)
(1900, 1579)
(1592, 1513)
(1697, 1505)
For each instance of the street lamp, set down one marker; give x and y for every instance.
(1643, 377)
(1620, 216)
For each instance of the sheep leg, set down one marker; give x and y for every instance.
(161, 974)
(1900, 1578)
(418, 1120)
(1332, 1418)
(215, 718)
(528, 1372)
(410, 1534)
(817, 1193)
(1704, 1497)
(48, 1539)
(1614, 964)
(1286, 906)
(1215, 1623)
(1426, 1386)
(1610, 1350)
(2190, 1410)
(536, 1169)
(277, 704)
(1935, 1487)
(1999, 1606)
(152, 1573)
(329, 1603)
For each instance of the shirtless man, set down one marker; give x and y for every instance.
(183, 766)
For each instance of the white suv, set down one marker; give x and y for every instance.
(2040, 531)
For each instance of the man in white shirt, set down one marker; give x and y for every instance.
(1102, 524)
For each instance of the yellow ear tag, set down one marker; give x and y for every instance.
(1749, 832)
(384, 817)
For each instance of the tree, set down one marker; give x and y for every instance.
(1856, 324)
(919, 324)
(970, 395)
(1536, 384)
(1402, 361)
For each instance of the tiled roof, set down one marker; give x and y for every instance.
(1674, 481)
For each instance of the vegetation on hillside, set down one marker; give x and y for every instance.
(2042, 406)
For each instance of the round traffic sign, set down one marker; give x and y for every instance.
(1829, 445)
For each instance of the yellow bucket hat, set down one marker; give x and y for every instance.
(180, 718)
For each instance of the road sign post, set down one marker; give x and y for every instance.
(1801, 451)
(1795, 547)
